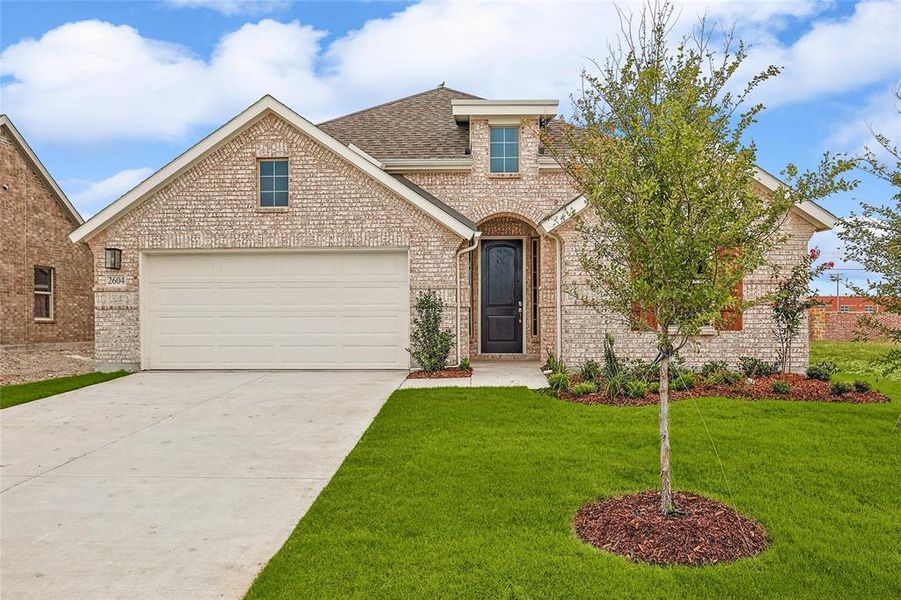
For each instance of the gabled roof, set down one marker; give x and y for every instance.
(267, 104)
(7, 124)
(816, 215)
(418, 126)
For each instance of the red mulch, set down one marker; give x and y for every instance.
(443, 373)
(703, 531)
(802, 389)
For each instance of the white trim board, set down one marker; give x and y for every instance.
(265, 105)
(41, 169)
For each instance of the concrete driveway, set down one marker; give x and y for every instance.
(170, 485)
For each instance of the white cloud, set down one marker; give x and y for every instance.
(94, 195)
(233, 7)
(94, 80)
(878, 113)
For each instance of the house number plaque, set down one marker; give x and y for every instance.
(115, 280)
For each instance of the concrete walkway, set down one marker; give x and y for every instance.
(490, 373)
(170, 485)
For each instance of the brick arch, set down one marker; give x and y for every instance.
(491, 207)
(507, 223)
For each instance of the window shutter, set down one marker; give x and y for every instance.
(647, 316)
(731, 319)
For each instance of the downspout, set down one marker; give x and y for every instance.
(559, 294)
(460, 253)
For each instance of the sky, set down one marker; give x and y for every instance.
(106, 93)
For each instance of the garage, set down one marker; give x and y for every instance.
(316, 309)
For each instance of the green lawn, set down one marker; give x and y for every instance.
(11, 395)
(463, 492)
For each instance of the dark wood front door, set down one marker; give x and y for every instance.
(501, 296)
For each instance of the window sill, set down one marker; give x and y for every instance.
(504, 175)
(271, 209)
(44, 321)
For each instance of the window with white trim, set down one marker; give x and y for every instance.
(844, 308)
(43, 293)
(504, 152)
(868, 308)
(273, 182)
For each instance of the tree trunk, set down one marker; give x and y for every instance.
(666, 491)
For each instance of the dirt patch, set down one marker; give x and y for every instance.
(22, 366)
(802, 390)
(452, 372)
(702, 532)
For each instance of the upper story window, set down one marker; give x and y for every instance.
(43, 293)
(844, 308)
(274, 182)
(504, 150)
(868, 308)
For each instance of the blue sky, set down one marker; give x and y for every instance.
(108, 92)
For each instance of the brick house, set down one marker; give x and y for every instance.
(277, 243)
(837, 319)
(46, 295)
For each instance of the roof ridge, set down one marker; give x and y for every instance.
(395, 101)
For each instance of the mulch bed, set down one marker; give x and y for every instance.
(452, 372)
(802, 389)
(703, 531)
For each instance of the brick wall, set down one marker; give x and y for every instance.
(33, 232)
(826, 325)
(214, 205)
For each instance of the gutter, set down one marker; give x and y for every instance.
(460, 253)
(559, 293)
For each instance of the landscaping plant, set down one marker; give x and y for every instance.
(589, 370)
(781, 387)
(684, 381)
(862, 387)
(821, 371)
(711, 367)
(754, 367)
(559, 382)
(430, 345)
(464, 363)
(635, 388)
(586, 387)
(792, 300)
(673, 222)
(840, 388)
(555, 364)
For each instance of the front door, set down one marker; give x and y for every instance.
(501, 296)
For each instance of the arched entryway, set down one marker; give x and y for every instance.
(509, 285)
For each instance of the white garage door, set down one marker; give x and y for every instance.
(275, 310)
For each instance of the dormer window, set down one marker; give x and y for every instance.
(274, 182)
(504, 153)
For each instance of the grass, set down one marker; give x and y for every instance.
(469, 492)
(854, 358)
(12, 395)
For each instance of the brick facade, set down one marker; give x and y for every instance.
(34, 229)
(828, 325)
(213, 205)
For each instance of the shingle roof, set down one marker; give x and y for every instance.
(418, 126)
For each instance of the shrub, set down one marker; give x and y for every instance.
(711, 367)
(612, 365)
(821, 371)
(754, 367)
(725, 377)
(654, 387)
(781, 387)
(464, 364)
(615, 385)
(840, 388)
(641, 369)
(586, 387)
(862, 386)
(430, 344)
(555, 364)
(635, 388)
(559, 382)
(683, 382)
(589, 370)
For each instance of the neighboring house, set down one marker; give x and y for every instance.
(837, 319)
(46, 295)
(276, 243)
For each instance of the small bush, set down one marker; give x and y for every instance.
(589, 370)
(821, 371)
(559, 382)
(430, 345)
(713, 366)
(725, 377)
(586, 387)
(862, 386)
(840, 388)
(641, 369)
(654, 387)
(635, 388)
(615, 385)
(612, 365)
(464, 364)
(781, 387)
(683, 382)
(754, 367)
(555, 364)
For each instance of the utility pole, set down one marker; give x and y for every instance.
(837, 279)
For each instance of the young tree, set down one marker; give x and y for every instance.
(873, 239)
(674, 222)
(791, 301)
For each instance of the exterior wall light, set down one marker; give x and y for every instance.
(113, 258)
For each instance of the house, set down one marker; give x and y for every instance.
(848, 304)
(275, 243)
(837, 319)
(46, 295)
